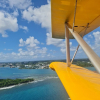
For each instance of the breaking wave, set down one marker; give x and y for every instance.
(37, 80)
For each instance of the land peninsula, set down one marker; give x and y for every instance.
(11, 82)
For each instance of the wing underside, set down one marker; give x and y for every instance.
(88, 11)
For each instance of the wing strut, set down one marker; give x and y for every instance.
(79, 45)
(67, 39)
(89, 52)
(67, 46)
(75, 53)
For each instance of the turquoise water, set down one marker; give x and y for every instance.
(91, 68)
(46, 86)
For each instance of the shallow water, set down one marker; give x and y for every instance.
(46, 86)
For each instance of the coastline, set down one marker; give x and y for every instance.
(35, 81)
(9, 83)
(9, 87)
(3, 88)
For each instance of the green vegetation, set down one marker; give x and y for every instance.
(10, 82)
(83, 63)
(44, 64)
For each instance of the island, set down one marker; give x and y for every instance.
(11, 82)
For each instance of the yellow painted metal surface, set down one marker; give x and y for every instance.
(80, 83)
(88, 11)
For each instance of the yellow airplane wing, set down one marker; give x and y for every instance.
(88, 11)
(80, 83)
(80, 16)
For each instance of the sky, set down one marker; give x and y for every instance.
(25, 33)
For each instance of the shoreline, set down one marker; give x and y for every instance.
(9, 83)
(35, 81)
(4, 88)
(9, 87)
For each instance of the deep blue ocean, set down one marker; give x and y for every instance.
(46, 86)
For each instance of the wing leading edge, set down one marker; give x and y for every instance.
(80, 83)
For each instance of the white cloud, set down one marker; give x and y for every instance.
(8, 49)
(53, 41)
(32, 52)
(21, 42)
(90, 36)
(87, 40)
(32, 48)
(63, 50)
(23, 27)
(13, 53)
(41, 52)
(29, 51)
(42, 43)
(96, 43)
(40, 15)
(97, 38)
(30, 42)
(7, 22)
(3, 3)
(49, 55)
(20, 4)
(25, 53)
(15, 13)
(57, 42)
